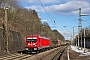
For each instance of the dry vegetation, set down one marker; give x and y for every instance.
(25, 21)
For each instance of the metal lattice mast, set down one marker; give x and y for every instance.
(79, 25)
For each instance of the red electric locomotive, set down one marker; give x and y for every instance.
(36, 43)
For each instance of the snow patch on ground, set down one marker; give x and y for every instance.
(81, 51)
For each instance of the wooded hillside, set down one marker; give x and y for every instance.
(25, 21)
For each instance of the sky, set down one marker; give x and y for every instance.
(63, 14)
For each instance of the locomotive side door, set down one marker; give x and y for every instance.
(40, 42)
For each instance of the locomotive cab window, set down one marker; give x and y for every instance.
(32, 40)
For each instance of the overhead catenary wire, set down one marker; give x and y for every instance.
(42, 2)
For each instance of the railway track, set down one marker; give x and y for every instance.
(53, 54)
(15, 56)
(58, 53)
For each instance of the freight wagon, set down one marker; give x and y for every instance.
(36, 43)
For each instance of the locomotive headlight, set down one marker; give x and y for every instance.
(34, 44)
(28, 43)
(26, 48)
(35, 48)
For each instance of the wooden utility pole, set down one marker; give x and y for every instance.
(6, 31)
